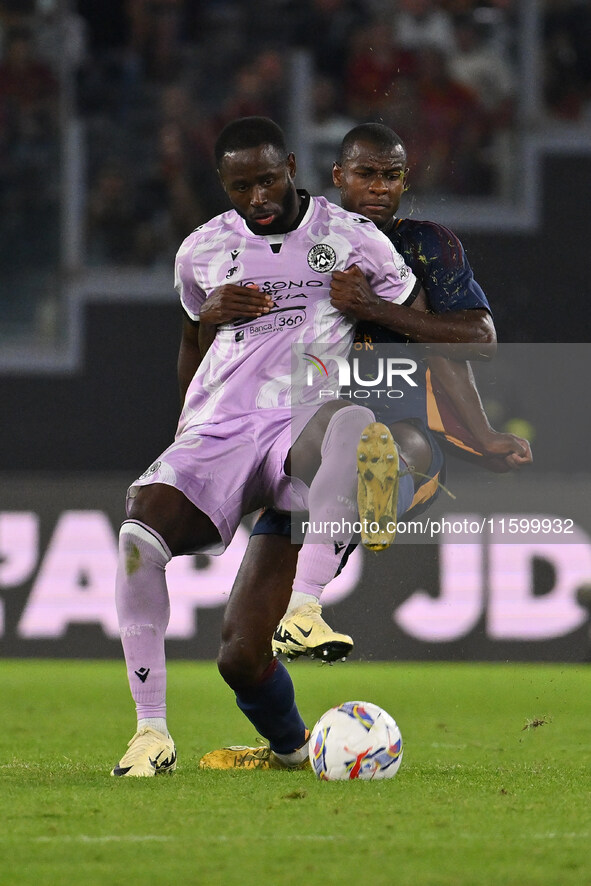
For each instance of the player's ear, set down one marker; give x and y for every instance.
(291, 165)
(405, 180)
(337, 174)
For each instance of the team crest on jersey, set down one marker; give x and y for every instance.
(322, 258)
(401, 266)
(151, 470)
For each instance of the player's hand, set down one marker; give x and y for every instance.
(231, 302)
(351, 294)
(507, 452)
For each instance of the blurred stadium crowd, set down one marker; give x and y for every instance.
(154, 80)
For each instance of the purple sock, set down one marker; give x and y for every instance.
(332, 502)
(270, 706)
(143, 609)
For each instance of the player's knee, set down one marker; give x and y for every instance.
(139, 503)
(141, 546)
(240, 663)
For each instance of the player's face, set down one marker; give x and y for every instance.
(371, 181)
(260, 184)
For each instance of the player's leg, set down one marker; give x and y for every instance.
(306, 633)
(162, 523)
(386, 485)
(414, 450)
(324, 457)
(332, 437)
(259, 598)
(264, 690)
(332, 506)
(263, 687)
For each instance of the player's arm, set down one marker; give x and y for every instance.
(467, 334)
(192, 295)
(226, 303)
(504, 452)
(190, 354)
(230, 302)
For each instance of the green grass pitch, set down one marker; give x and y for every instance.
(494, 787)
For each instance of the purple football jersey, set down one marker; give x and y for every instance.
(250, 363)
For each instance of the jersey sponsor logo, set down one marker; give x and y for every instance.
(287, 295)
(322, 257)
(261, 328)
(272, 287)
(231, 272)
(276, 321)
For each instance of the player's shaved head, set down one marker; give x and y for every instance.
(377, 135)
(248, 132)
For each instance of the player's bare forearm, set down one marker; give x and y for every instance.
(465, 335)
(189, 355)
(207, 333)
(456, 379)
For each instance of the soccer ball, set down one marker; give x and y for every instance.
(357, 739)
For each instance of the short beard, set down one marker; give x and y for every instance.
(289, 209)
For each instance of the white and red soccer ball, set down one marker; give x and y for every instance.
(357, 739)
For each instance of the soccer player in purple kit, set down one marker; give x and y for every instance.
(371, 174)
(239, 432)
